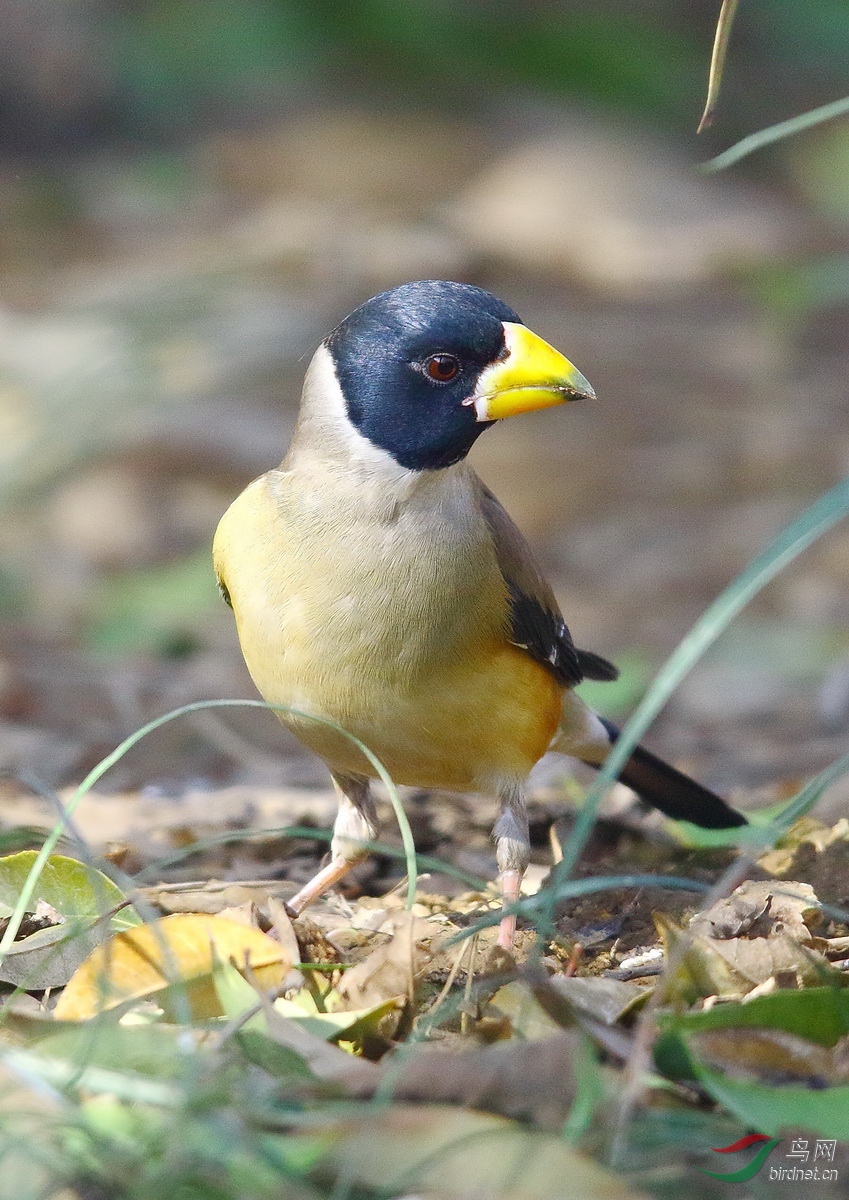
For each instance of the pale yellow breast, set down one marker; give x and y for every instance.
(390, 619)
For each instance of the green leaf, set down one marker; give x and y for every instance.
(155, 1050)
(771, 1109)
(73, 889)
(820, 1014)
(279, 1061)
(236, 995)
(79, 894)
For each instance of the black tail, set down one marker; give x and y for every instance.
(673, 792)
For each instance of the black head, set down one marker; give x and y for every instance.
(407, 360)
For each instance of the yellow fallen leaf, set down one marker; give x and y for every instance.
(178, 949)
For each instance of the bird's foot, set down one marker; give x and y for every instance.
(336, 869)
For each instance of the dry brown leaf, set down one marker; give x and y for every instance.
(212, 896)
(761, 908)
(284, 931)
(606, 1000)
(157, 822)
(242, 914)
(758, 959)
(530, 1081)
(390, 970)
(698, 969)
(808, 831)
(759, 937)
(181, 948)
(770, 1056)
(526, 1018)
(526, 1080)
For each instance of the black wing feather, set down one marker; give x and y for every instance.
(544, 635)
(596, 667)
(536, 623)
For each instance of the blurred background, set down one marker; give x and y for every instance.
(193, 192)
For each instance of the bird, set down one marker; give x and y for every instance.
(379, 585)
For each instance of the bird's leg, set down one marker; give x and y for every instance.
(356, 822)
(512, 852)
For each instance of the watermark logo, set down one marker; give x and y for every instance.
(799, 1153)
(767, 1145)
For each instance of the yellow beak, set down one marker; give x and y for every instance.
(533, 375)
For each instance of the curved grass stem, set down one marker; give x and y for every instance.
(103, 766)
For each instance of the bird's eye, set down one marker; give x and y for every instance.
(442, 367)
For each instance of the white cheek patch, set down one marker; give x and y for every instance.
(323, 404)
(325, 434)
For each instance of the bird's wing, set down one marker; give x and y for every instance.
(536, 623)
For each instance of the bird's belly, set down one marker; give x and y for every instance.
(465, 722)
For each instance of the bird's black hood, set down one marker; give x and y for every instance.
(381, 353)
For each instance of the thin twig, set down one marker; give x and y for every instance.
(467, 994)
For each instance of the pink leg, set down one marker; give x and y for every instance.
(511, 883)
(512, 850)
(355, 823)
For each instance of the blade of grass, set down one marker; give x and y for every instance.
(717, 60)
(816, 520)
(105, 763)
(775, 133)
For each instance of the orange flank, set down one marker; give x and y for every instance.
(436, 733)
